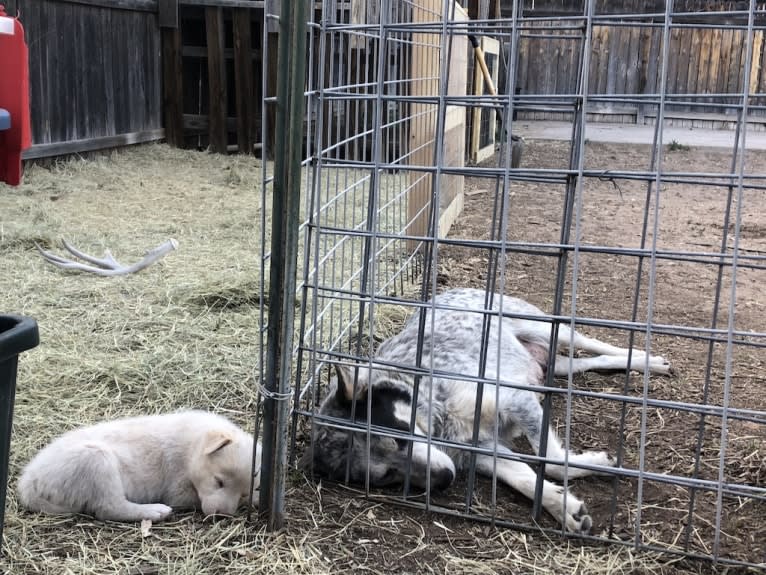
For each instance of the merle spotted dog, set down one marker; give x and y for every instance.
(516, 354)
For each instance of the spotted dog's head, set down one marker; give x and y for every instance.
(387, 404)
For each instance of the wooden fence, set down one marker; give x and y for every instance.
(212, 59)
(625, 60)
(105, 73)
(94, 73)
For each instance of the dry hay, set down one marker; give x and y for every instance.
(184, 333)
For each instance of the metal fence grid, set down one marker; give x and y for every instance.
(378, 163)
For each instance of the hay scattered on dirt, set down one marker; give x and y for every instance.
(184, 333)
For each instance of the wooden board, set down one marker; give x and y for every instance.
(424, 81)
(95, 71)
(91, 144)
(243, 73)
(172, 92)
(216, 73)
(168, 13)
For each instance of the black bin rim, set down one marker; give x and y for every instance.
(18, 333)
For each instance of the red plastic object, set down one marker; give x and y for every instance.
(14, 97)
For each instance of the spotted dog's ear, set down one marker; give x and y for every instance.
(346, 388)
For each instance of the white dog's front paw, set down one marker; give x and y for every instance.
(155, 511)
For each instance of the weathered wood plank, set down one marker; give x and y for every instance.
(695, 50)
(153, 5)
(33, 25)
(736, 62)
(611, 55)
(758, 65)
(715, 62)
(603, 64)
(228, 53)
(622, 54)
(703, 65)
(253, 4)
(122, 102)
(133, 5)
(136, 81)
(168, 13)
(216, 73)
(595, 59)
(153, 63)
(425, 62)
(91, 144)
(723, 76)
(66, 99)
(199, 123)
(645, 45)
(684, 80)
(243, 77)
(522, 81)
(655, 56)
(672, 64)
(172, 93)
(106, 55)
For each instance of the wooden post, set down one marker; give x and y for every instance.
(216, 79)
(172, 87)
(168, 13)
(243, 78)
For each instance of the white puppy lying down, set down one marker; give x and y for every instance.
(140, 468)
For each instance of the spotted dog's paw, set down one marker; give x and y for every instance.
(574, 517)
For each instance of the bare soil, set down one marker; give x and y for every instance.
(690, 218)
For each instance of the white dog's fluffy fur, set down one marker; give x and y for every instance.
(143, 467)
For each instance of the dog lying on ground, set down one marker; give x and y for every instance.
(143, 467)
(516, 354)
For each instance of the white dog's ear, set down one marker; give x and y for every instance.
(215, 441)
(347, 390)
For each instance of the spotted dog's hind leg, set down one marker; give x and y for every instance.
(608, 358)
(527, 413)
(568, 509)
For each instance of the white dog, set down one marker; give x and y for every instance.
(141, 468)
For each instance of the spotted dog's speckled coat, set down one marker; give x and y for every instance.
(452, 345)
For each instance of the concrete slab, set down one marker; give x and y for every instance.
(632, 134)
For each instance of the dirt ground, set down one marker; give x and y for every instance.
(690, 219)
(184, 334)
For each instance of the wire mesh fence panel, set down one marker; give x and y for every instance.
(420, 377)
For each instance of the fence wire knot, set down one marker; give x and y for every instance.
(275, 395)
